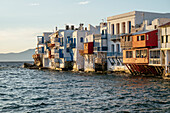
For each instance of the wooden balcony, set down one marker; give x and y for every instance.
(126, 42)
(145, 39)
(88, 48)
(36, 56)
(136, 56)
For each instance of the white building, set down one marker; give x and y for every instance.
(121, 24)
(41, 48)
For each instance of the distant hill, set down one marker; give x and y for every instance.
(22, 56)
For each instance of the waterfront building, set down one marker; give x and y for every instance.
(41, 48)
(137, 47)
(123, 24)
(87, 51)
(160, 57)
(79, 37)
(100, 48)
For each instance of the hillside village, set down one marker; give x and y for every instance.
(136, 42)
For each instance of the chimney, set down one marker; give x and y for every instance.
(72, 27)
(81, 26)
(56, 29)
(67, 27)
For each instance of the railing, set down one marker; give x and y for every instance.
(96, 49)
(70, 45)
(67, 59)
(154, 61)
(114, 54)
(115, 37)
(36, 56)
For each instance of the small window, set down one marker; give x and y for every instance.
(138, 38)
(81, 39)
(128, 38)
(147, 37)
(166, 38)
(102, 32)
(142, 37)
(162, 39)
(155, 26)
(68, 50)
(129, 54)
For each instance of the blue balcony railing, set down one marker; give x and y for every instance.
(96, 49)
(114, 54)
(68, 59)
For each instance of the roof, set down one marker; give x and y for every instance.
(164, 25)
(142, 32)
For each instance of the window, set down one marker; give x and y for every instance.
(125, 38)
(113, 48)
(155, 26)
(137, 53)
(68, 36)
(81, 39)
(118, 28)
(102, 32)
(166, 38)
(142, 37)
(118, 47)
(113, 32)
(128, 38)
(129, 26)
(67, 50)
(141, 53)
(147, 37)
(123, 27)
(129, 54)
(138, 38)
(162, 39)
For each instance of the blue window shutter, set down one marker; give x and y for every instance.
(71, 40)
(58, 39)
(74, 42)
(113, 27)
(81, 39)
(42, 39)
(42, 49)
(129, 26)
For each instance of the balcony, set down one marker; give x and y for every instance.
(36, 56)
(40, 40)
(114, 54)
(115, 38)
(153, 61)
(100, 49)
(88, 48)
(137, 56)
(165, 45)
(57, 44)
(154, 57)
(70, 45)
(99, 36)
(68, 59)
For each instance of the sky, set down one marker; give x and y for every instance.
(22, 20)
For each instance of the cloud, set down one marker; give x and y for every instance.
(84, 2)
(34, 4)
